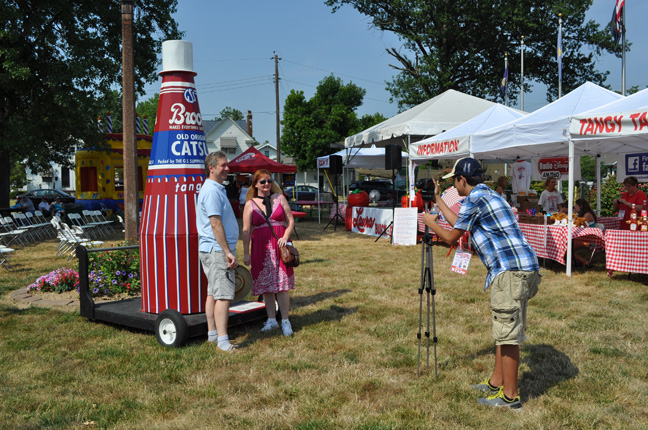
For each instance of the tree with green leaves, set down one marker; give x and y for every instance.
(230, 112)
(309, 127)
(149, 109)
(460, 45)
(60, 60)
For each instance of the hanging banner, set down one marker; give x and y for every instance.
(323, 162)
(619, 124)
(544, 168)
(632, 165)
(441, 148)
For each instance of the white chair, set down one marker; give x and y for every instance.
(21, 222)
(41, 229)
(595, 247)
(9, 234)
(4, 258)
(121, 221)
(69, 239)
(90, 231)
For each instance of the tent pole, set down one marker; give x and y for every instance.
(410, 171)
(570, 213)
(598, 185)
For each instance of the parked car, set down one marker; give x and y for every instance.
(50, 195)
(381, 186)
(306, 192)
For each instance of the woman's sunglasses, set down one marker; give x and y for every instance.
(264, 181)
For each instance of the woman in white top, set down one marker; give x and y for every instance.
(550, 197)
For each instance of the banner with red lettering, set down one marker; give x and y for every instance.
(450, 148)
(372, 221)
(544, 168)
(613, 125)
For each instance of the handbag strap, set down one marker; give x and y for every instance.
(266, 218)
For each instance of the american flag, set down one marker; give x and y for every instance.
(617, 26)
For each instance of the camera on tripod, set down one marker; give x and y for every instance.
(426, 187)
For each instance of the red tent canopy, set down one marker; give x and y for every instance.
(252, 160)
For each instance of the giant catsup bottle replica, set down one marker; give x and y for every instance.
(170, 268)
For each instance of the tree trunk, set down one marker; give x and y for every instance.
(5, 178)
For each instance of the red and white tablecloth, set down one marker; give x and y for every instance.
(551, 241)
(626, 251)
(610, 223)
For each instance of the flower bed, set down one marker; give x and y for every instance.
(111, 273)
(114, 272)
(58, 281)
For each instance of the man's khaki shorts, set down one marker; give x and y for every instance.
(221, 279)
(510, 294)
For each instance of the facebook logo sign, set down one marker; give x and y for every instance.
(636, 164)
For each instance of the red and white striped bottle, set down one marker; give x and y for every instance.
(170, 269)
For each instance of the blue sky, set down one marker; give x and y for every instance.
(233, 43)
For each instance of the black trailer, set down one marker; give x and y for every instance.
(171, 328)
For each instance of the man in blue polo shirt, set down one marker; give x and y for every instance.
(218, 233)
(512, 271)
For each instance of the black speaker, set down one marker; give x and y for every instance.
(393, 157)
(335, 164)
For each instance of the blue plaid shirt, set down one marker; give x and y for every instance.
(495, 233)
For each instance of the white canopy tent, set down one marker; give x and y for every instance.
(543, 132)
(360, 158)
(618, 127)
(440, 113)
(456, 142)
(356, 158)
(435, 116)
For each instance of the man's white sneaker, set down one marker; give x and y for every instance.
(270, 324)
(286, 328)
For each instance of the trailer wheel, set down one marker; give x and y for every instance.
(171, 329)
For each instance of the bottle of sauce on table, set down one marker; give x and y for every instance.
(644, 217)
(633, 219)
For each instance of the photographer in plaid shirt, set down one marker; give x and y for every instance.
(512, 271)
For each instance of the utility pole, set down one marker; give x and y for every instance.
(131, 192)
(276, 79)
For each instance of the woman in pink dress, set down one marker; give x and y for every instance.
(265, 202)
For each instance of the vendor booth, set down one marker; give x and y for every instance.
(252, 160)
(620, 127)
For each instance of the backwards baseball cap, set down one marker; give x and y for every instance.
(465, 167)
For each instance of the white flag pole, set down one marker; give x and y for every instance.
(522, 74)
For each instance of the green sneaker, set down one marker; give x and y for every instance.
(498, 399)
(486, 387)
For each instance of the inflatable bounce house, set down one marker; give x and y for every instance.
(100, 171)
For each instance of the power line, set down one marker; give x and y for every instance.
(233, 88)
(339, 74)
(236, 80)
(214, 60)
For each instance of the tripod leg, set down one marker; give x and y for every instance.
(420, 291)
(432, 291)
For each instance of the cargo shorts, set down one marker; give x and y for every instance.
(221, 279)
(510, 294)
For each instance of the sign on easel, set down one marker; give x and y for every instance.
(405, 226)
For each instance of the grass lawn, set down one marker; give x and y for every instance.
(352, 361)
